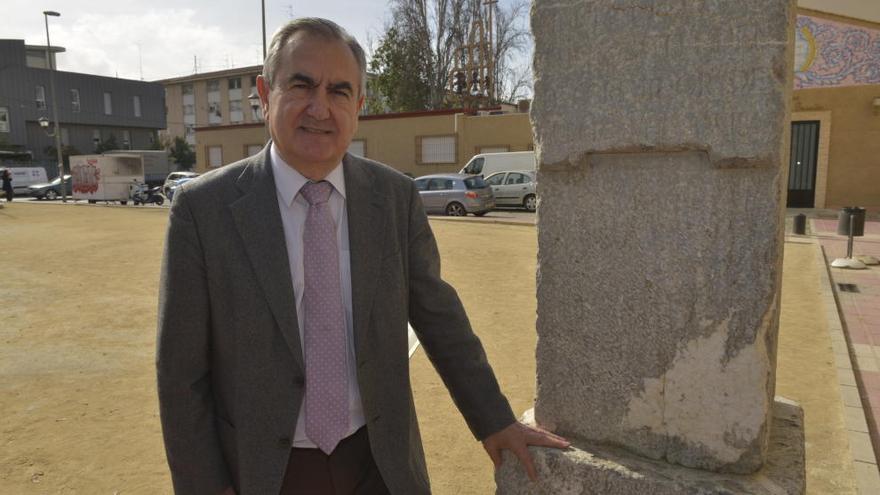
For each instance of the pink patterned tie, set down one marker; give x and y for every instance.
(326, 350)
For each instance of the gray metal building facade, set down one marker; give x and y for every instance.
(91, 108)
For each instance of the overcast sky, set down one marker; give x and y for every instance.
(106, 36)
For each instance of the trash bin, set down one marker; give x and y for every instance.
(800, 224)
(858, 224)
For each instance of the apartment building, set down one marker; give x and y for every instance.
(91, 109)
(222, 102)
(220, 98)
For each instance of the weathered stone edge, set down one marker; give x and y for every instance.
(600, 470)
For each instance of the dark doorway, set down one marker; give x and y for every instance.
(802, 167)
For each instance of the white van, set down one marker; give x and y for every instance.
(22, 177)
(486, 164)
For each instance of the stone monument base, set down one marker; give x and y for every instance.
(591, 470)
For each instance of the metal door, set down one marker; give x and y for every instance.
(802, 165)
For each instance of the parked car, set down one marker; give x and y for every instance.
(455, 194)
(175, 185)
(514, 189)
(51, 190)
(173, 177)
(486, 164)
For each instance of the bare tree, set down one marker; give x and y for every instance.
(434, 32)
(512, 80)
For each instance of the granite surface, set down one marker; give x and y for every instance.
(661, 128)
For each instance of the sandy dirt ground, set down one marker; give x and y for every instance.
(78, 411)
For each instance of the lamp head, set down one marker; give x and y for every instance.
(44, 122)
(254, 98)
(51, 13)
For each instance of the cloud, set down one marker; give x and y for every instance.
(167, 39)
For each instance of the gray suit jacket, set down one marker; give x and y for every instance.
(229, 358)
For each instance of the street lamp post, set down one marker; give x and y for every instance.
(46, 14)
(257, 112)
(263, 4)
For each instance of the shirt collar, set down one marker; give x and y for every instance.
(288, 181)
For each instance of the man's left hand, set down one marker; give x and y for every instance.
(516, 438)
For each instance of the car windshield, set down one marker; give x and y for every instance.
(474, 183)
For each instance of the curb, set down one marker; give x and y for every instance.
(861, 450)
(494, 221)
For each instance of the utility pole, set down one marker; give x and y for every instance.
(263, 3)
(490, 4)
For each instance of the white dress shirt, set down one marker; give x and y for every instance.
(294, 209)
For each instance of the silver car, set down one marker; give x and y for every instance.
(514, 189)
(455, 194)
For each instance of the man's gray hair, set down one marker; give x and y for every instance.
(317, 27)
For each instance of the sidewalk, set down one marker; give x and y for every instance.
(858, 301)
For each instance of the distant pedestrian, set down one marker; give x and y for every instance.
(7, 185)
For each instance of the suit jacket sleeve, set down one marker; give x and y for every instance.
(443, 328)
(183, 361)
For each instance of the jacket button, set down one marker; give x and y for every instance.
(284, 442)
(299, 381)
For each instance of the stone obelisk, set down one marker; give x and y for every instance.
(662, 129)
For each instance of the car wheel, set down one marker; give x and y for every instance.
(481, 213)
(51, 194)
(455, 210)
(92, 201)
(123, 203)
(530, 202)
(160, 201)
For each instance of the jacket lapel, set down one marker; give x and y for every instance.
(258, 221)
(366, 229)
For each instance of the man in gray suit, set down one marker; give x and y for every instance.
(287, 284)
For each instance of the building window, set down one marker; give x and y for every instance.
(187, 89)
(136, 100)
(436, 149)
(253, 149)
(40, 96)
(215, 116)
(189, 133)
(4, 119)
(126, 139)
(108, 104)
(96, 137)
(253, 81)
(235, 113)
(358, 147)
(215, 156)
(74, 100)
(65, 136)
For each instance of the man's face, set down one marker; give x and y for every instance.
(312, 108)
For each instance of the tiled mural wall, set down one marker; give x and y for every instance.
(829, 53)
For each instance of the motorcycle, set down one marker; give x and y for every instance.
(142, 194)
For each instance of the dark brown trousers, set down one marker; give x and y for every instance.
(348, 470)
